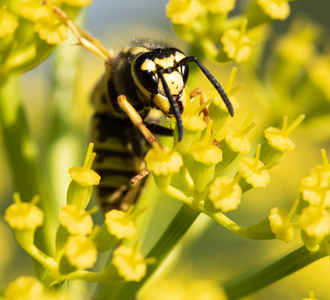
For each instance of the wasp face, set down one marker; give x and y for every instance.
(161, 79)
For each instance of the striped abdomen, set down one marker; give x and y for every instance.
(119, 148)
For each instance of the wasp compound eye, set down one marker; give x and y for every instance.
(184, 71)
(144, 72)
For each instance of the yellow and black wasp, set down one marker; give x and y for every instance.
(150, 75)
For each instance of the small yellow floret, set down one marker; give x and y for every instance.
(311, 295)
(164, 162)
(8, 23)
(84, 177)
(225, 193)
(46, 23)
(320, 73)
(237, 44)
(218, 6)
(298, 45)
(206, 154)
(75, 220)
(237, 139)
(276, 9)
(120, 224)
(316, 189)
(129, 263)
(279, 138)
(80, 252)
(24, 215)
(25, 287)
(280, 225)
(183, 11)
(315, 221)
(253, 172)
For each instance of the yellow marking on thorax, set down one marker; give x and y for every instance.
(138, 49)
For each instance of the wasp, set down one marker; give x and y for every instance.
(151, 75)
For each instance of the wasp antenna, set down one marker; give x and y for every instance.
(174, 106)
(212, 79)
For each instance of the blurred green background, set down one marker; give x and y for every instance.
(209, 252)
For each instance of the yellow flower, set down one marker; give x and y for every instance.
(119, 224)
(75, 220)
(298, 45)
(183, 11)
(316, 188)
(237, 44)
(237, 139)
(46, 23)
(218, 6)
(320, 73)
(280, 224)
(279, 138)
(254, 171)
(163, 162)
(24, 215)
(276, 9)
(84, 177)
(311, 295)
(130, 263)
(191, 119)
(80, 252)
(315, 221)
(25, 287)
(206, 154)
(33, 10)
(8, 22)
(225, 193)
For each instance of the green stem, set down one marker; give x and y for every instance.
(249, 283)
(173, 233)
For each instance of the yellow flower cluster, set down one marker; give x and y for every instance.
(78, 241)
(207, 148)
(312, 210)
(314, 219)
(205, 23)
(29, 29)
(46, 22)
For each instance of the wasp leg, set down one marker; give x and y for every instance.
(140, 176)
(137, 121)
(84, 42)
